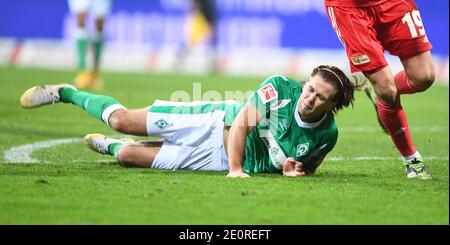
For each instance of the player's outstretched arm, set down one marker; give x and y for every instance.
(244, 123)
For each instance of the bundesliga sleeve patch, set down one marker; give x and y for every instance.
(360, 59)
(267, 93)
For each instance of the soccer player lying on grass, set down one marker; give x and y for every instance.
(285, 126)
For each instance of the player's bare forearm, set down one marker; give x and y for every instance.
(244, 123)
(236, 148)
(316, 164)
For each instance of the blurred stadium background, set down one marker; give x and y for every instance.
(254, 37)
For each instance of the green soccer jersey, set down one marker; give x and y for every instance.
(282, 133)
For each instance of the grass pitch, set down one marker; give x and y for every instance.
(362, 181)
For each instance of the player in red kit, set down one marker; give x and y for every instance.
(367, 28)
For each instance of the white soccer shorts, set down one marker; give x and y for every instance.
(192, 139)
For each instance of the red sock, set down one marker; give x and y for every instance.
(404, 85)
(394, 120)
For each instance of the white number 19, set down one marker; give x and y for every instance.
(413, 22)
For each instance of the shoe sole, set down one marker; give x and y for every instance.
(420, 177)
(89, 139)
(25, 99)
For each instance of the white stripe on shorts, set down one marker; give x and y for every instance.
(334, 24)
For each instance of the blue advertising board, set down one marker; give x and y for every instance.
(294, 24)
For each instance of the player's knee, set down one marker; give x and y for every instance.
(125, 156)
(425, 79)
(388, 94)
(128, 157)
(118, 121)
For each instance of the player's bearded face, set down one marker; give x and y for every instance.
(316, 99)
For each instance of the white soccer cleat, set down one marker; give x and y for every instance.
(99, 142)
(42, 95)
(416, 169)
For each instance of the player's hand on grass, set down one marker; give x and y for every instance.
(237, 174)
(293, 168)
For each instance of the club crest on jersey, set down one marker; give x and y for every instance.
(302, 149)
(162, 124)
(360, 59)
(267, 93)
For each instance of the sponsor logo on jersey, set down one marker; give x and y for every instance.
(360, 59)
(267, 93)
(302, 149)
(162, 124)
(276, 154)
(278, 104)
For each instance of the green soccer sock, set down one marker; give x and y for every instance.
(114, 148)
(82, 44)
(81, 52)
(94, 104)
(98, 48)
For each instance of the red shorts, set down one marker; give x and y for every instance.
(366, 32)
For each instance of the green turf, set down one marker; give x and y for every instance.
(73, 185)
